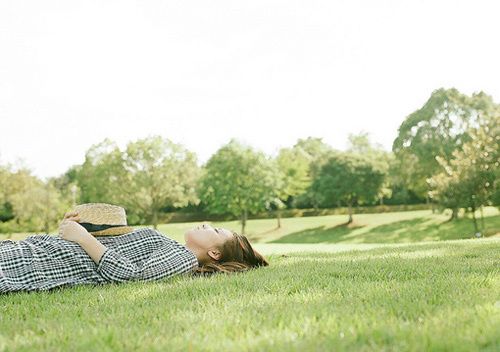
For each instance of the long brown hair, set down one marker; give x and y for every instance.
(237, 256)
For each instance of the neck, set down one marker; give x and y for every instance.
(197, 253)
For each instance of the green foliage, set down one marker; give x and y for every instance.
(33, 205)
(151, 174)
(402, 171)
(447, 149)
(294, 166)
(158, 173)
(98, 175)
(67, 184)
(317, 153)
(437, 129)
(348, 178)
(470, 178)
(40, 208)
(361, 145)
(239, 181)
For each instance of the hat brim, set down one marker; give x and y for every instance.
(114, 231)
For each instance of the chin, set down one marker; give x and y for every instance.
(187, 235)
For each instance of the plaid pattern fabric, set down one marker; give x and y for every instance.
(43, 262)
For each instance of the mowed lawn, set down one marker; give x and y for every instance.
(396, 227)
(375, 286)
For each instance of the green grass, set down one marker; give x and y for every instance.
(400, 227)
(397, 227)
(432, 296)
(405, 281)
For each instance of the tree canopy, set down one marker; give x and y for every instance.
(238, 180)
(350, 179)
(438, 128)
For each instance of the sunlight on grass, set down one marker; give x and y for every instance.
(311, 297)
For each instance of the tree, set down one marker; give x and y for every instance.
(159, 173)
(40, 207)
(348, 178)
(470, 178)
(6, 211)
(67, 184)
(292, 165)
(445, 188)
(400, 176)
(360, 144)
(18, 182)
(317, 152)
(438, 129)
(4, 179)
(97, 176)
(27, 203)
(237, 180)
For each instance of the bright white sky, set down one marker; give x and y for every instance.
(200, 72)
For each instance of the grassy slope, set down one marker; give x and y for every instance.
(399, 227)
(440, 296)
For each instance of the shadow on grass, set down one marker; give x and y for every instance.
(405, 231)
(426, 229)
(321, 234)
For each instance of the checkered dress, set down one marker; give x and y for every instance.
(42, 262)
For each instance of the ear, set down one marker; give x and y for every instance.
(214, 254)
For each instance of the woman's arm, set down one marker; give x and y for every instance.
(93, 247)
(169, 259)
(71, 230)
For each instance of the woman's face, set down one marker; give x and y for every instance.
(205, 237)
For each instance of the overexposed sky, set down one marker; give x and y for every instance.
(200, 72)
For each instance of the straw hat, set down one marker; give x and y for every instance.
(101, 219)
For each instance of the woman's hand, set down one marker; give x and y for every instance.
(71, 230)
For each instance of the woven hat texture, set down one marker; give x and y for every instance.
(103, 219)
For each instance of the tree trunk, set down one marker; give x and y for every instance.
(482, 219)
(454, 214)
(350, 212)
(243, 221)
(382, 200)
(278, 217)
(155, 218)
(48, 206)
(476, 230)
(429, 203)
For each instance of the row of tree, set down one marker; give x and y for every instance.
(445, 152)
(154, 175)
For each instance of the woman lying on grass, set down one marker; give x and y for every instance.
(95, 246)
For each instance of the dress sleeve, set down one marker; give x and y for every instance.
(168, 260)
